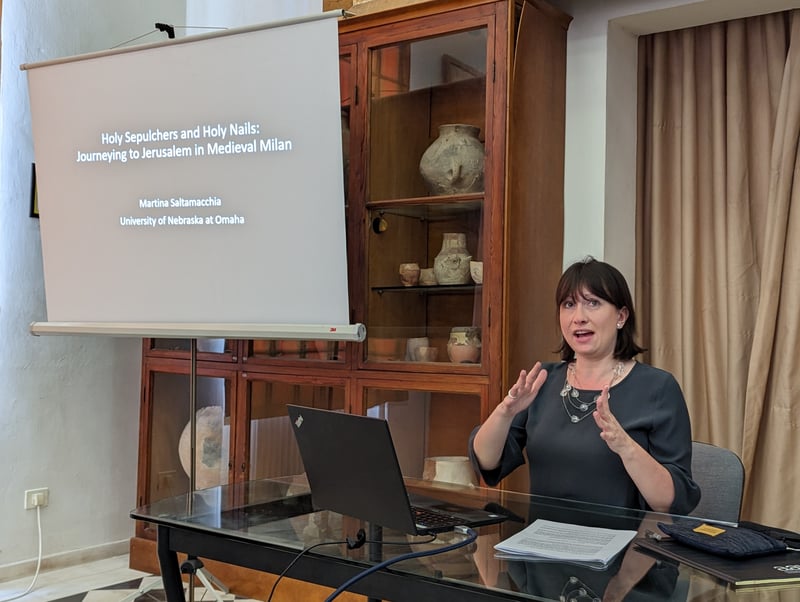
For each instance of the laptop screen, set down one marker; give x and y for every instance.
(352, 467)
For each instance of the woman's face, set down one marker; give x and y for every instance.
(589, 324)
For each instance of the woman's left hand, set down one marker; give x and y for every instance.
(652, 480)
(611, 432)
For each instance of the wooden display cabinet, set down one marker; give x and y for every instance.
(495, 64)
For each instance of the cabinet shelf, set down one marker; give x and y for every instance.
(429, 206)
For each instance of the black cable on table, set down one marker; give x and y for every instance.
(352, 544)
(471, 536)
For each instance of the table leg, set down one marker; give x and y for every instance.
(375, 548)
(170, 570)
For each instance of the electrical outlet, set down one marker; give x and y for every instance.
(36, 497)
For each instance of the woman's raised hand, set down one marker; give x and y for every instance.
(523, 392)
(611, 432)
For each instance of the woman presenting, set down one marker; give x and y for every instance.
(598, 426)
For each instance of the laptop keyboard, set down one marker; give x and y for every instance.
(429, 519)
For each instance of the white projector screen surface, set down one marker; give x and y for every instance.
(196, 181)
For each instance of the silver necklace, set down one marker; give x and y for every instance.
(575, 590)
(571, 397)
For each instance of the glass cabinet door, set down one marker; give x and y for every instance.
(427, 427)
(165, 470)
(425, 321)
(282, 351)
(426, 201)
(416, 87)
(170, 434)
(347, 93)
(270, 448)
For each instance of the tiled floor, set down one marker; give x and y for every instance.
(59, 583)
(107, 580)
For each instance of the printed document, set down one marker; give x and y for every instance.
(544, 539)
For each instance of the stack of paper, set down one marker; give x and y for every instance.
(544, 539)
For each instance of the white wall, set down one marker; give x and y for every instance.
(69, 406)
(213, 13)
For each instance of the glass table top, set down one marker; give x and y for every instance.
(279, 512)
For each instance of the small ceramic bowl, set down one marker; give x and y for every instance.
(476, 271)
(426, 354)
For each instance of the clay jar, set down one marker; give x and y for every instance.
(450, 469)
(453, 164)
(384, 349)
(427, 277)
(451, 265)
(413, 344)
(409, 274)
(464, 346)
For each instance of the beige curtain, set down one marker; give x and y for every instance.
(718, 240)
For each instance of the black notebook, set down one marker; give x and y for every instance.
(352, 469)
(773, 569)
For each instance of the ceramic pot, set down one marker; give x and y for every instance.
(384, 349)
(413, 344)
(427, 277)
(451, 265)
(409, 274)
(453, 163)
(211, 451)
(464, 345)
(450, 469)
(426, 354)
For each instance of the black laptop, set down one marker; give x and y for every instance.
(352, 469)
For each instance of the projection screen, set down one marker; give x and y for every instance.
(195, 185)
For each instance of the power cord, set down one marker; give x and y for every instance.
(471, 536)
(299, 555)
(38, 560)
(352, 544)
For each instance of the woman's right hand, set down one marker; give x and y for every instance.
(491, 438)
(524, 391)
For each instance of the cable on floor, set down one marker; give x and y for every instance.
(38, 560)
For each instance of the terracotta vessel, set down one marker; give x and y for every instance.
(450, 469)
(453, 164)
(409, 274)
(464, 346)
(413, 344)
(427, 277)
(451, 265)
(385, 349)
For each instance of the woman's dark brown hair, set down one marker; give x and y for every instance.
(604, 281)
